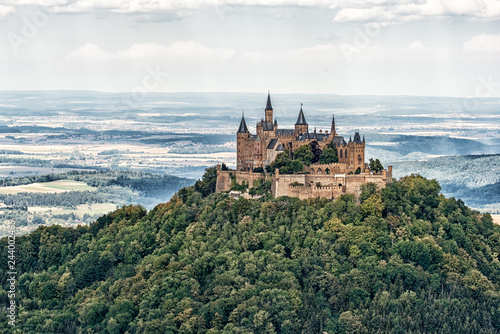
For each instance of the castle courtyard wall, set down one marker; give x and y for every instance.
(224, 178)
(305, 186)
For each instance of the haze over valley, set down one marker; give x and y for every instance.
(181, 134)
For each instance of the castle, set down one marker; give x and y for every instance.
(256, 152)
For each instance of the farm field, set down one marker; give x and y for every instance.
(58, 186)
(79, 197)
(96, 208)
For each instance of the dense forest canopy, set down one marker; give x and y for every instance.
(403, 259)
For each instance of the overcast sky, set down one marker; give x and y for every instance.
(390, 47)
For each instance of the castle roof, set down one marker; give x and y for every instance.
(272, 143)
(301, 120)
(267, 126)
(285, 132)
(339, 141)
(268, 105)
(243, 125)
(357, 138)
(280, 147)
(312, 135)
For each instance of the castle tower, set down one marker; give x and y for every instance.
(269, 109)
(301, 125)
(356, 148)
(334, 132)
(242, 149)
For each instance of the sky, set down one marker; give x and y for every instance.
(353, 47)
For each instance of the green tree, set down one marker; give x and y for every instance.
(208, 182)
(285, 164)
(304, 154)
(367, 190)
(328, 156)
(375, 165)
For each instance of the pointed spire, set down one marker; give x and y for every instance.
(333, 119)
(357, 137)
(243, 125)
(268, 105)
(301, 120)
(350, 138)
(363, 138)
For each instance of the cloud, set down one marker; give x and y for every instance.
(141, 51)
(382, 11)
(416, 45)
(483, 42)
(6, 10)
(390, 12)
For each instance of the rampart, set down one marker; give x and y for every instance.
(313, 183)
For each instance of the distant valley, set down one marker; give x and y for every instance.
(181, 134)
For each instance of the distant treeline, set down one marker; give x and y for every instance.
(67, 199)
(119, 187)
(11, 152)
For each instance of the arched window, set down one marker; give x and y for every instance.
(341, 153)
(346, 152)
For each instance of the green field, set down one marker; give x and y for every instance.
(48, 187)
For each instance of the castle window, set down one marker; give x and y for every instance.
(345, 153)
(341, 153)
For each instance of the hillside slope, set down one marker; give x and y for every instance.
(405, 260)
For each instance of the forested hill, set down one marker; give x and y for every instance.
(405, 260)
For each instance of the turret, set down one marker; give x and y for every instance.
(357, 152)
(243, 125)
(301, 125)
(334, 131)
(269, 109)
(242, 152)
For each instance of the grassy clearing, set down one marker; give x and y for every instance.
(97, 208)
(48, 187)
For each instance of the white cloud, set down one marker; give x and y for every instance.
(144, 51)
(382, 11)
(416, 45)
(35, 2)
(483, 42)
(6, 10)
(386, 12)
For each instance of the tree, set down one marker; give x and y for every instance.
(304, 154)
(375, 165)
(328, 156)
(373, 205)
(208, 182)
(285, 164)
(367, 190)
(316, 150)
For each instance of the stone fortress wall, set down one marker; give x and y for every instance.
(307, 184)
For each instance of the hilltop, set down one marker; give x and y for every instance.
(405, 259)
